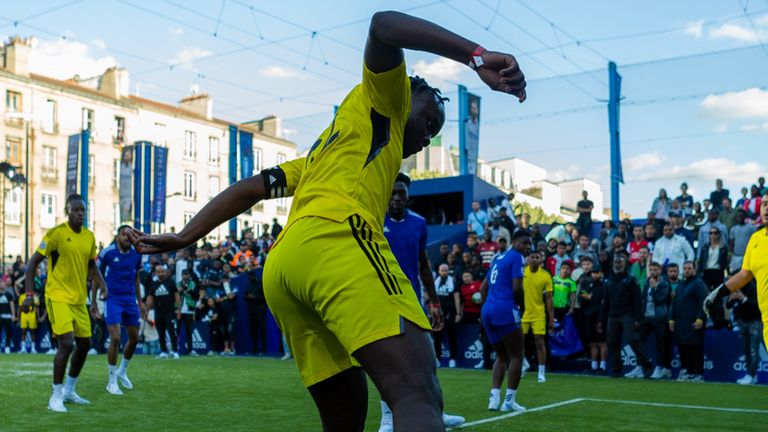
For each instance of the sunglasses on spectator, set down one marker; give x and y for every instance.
(715, 233)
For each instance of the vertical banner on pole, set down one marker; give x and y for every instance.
(146, 201)
(233, 171)
(84, 168)
(126, 180)
(469, 131)
(137, 174)
(617, 176)
(160, 184)
(73, 149)
(246, 154)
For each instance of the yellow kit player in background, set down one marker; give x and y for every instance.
(71, 251)
(28, 321)
(331, 280)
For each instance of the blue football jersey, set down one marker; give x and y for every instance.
(119, 270)
(408, 239)
(504, 269)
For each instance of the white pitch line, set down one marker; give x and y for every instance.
(667, 405)
(517, 413)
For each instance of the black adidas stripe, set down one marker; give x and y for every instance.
(356, 235)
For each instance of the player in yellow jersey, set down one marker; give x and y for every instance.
(71, 251)
(331, 280)
(754, 266)
(537, 286)
(28, 321)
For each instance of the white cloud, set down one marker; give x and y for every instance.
(442, 69)
(642, 162)
(99, 43)
(710, 168)
(63, 59)
(570, 172)
(737, 32)
(281, 72)
(187, 56)
(695, 28)
(176, 31)
(746, 104)
(762, 21)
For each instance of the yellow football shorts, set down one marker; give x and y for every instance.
(66, 318)
(538, 326)
(333, 289)
(28, 320)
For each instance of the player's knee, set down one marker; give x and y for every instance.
(66, 345)
(83, 343)
(114, 341)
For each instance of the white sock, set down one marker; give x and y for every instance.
(385, 411)
(542, 369)
(594, 364)
(69, 384)
(602, 364)
(510, 396)
(112, 369)
(495, 392)
(123, 366)
(57, 389)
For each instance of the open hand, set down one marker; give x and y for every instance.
(95, 312)
(155, 243)
(436, 318)
(501, 72)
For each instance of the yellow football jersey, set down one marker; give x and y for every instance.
(756, 261)
(534, 287)
(350, 169)
(68, 255)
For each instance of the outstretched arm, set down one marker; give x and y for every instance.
(390, 32)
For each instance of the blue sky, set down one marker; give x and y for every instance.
(687, 115)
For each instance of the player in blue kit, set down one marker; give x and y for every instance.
(406, 233)
(120, 265)
(501, 319)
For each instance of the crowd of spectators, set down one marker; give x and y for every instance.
(192, 284)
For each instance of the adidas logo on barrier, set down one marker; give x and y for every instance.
(474, 351)
(197, 340)
(628, 356)
(46, 342)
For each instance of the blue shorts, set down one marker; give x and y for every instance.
(122, 310)
(497, 324)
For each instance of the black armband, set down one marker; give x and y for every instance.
(275, 183)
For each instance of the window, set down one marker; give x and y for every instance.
(190, 185)
(91, 170)
(13, 150)
(160, 137)
(115, 217)
(280, 158)
(119, 129)
(213, 151)
(258, 160)
(12, 101)
(190, 145)
(213, 186)
(87, 120)
(49, 124)
(115, 173)
(49, 171)
(48, 211)
(91, 215)
(13, 206)
(188, 217)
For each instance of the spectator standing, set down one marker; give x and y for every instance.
(499, 231)
(449, 298)
(671, 249)
(681, 230)
(744, 198)
(493, 209)
(257, 311)
(583, 249)
(747, 314)
(656, 301)
(622, 312)
(727, 215)
(739, 238)
(554, 262)
(686, 201)
(7, 314)
(276, 228)
(717, 195)
(478, 220)
(661, 206)
(506, 221)
(761, 187)
(471, 299)
(188, 293)
(687, 323)
(714, 259)
(752, 206)
(591, 295)
(639, 269)
(508, 203)
(564, 291)
(704, 232)
(537, 288)
(584, 207)
(637, 244)
(487, 249)
(651, 233)
(227, 303)
(164, 298)
(28, 322)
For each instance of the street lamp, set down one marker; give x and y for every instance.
(27, 118)
(11, 173)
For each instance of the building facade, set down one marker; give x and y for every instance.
(40, 113)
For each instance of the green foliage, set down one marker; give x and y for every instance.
(415, 174)
(537, 214)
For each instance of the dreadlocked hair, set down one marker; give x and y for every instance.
(419, 85)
